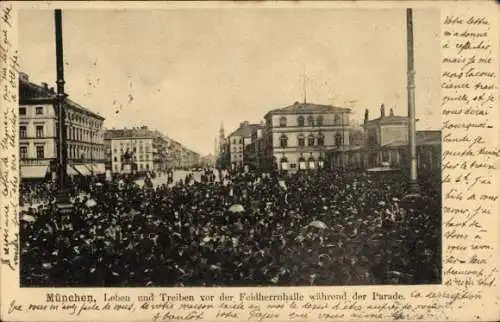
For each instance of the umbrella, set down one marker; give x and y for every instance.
(28, 218)
(318, 224)
(236, 208)
(90, 203)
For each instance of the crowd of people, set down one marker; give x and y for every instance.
(245, 229)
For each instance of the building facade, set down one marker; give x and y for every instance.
(238, 141)
(297, 137)
(136, 150)
(385, 144)
(38, 132)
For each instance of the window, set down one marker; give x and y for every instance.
(300, 120)
(23, 153)
(40, 152)
(282, 121)
(39, 110)
(116, 167)
(385, 156)
(310, 140)
(337, 119)
(22, 132)
(116, 160)
(310, 120)
(320, 120)
(22, 111)
(301, 141)
(283, 141)
(39, 131)
(338, 139)
(234, 141)
(321, 139)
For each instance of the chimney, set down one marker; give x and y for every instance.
(391, 113)
(366, 116)
(45, 86)
(382, 110)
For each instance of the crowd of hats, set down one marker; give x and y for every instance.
(324, 228)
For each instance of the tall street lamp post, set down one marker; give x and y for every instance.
(413, 188)
(62, 198)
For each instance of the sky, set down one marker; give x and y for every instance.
(186, 71)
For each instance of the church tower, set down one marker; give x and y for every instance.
(221, 138)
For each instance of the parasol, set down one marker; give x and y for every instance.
(317, 224)
(28, 218)
(236, 208)
(91, 203)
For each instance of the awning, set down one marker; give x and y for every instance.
(71, 171)
(34, 171)
(97, 168)
(82, 169)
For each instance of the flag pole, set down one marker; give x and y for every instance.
(62, 198)
(413, 187)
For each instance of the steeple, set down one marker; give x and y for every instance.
(221, 131)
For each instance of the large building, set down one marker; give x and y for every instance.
(142, 150)
(38, 124)
(238, 141)
(135, 150)
(298, 136)
(385, 143)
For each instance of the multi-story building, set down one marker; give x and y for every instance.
(298, 136)
(136, 150)
(253, 155)
(38, 131)
(385, 143)
(237, 141)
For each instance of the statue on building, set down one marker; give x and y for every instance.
(391, 113)
(366, 115)
(382, 110)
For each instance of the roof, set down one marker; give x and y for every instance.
(422, 138)
(245, 130)
(298, 108)
(389, 119)
(29, 91)
(129, 133)
(429, 137)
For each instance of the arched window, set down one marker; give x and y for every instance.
(301, 140)
(283, 141)
(319, 120)
(312, 162)
(300, 120)
(310, 120)
(284, 163)
(321, 139)
(338, 139)
(302, 163)
(282, 121)
(310, 140)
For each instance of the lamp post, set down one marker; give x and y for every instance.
(413, 187)
(62, 198)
